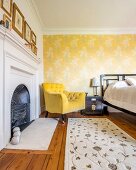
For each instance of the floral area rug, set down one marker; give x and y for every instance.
(98, 144)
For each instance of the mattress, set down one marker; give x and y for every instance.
(122, 95)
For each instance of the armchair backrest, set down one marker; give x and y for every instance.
(53, 87)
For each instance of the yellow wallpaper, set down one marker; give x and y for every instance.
(74, 59)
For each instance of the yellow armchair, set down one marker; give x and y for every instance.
(57, 100)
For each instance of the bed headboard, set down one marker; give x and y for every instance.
(105, 80)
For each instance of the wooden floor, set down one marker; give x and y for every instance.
(53, 159)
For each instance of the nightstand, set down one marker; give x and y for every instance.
(94, 105)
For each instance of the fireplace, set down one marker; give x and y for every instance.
(20, 107)
(19, 73)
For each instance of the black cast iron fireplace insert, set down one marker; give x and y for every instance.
(20, 107)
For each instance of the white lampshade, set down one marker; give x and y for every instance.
(95, 82)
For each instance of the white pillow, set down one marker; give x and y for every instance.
(120, 84)
(131, 81)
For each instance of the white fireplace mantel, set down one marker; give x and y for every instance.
(18, 65)
(18, 42)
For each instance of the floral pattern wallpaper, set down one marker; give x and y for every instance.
(98, 144)
(74, 59)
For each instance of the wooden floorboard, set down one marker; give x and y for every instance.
(53, 158)
(1, 154)
(53, 163)
(37, 162)
(19, 151)
(6, 160)
(62, 152)
(46, 162)
(126, 125)
(21, 162)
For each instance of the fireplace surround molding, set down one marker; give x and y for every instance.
(18, 65)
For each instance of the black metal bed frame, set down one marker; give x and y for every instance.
(104, 82)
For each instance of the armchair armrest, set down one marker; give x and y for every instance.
(76, 97)
(55, 101)
(82, 95)
(58, 96)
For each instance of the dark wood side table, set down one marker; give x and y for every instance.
(94, 106)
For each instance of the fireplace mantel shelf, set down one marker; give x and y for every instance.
(18, 42)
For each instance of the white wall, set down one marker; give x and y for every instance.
(32, 19)
(1, 95)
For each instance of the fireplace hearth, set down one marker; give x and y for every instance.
(20, 107)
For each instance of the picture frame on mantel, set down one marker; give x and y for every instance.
(7, 22)
(33, 38)
(6, 5)
(18, 20)
(34, 48)
(27, 32)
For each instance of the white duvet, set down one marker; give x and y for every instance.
(122, 95)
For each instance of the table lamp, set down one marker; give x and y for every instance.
(95, 83)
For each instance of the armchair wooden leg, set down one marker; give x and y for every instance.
(81, 112)
(63, 117)
(46, 114)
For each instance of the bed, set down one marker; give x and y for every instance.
(119, 92)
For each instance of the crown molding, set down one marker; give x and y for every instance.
(32, 4)
(56, 31)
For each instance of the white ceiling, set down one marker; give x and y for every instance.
(86, 14)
